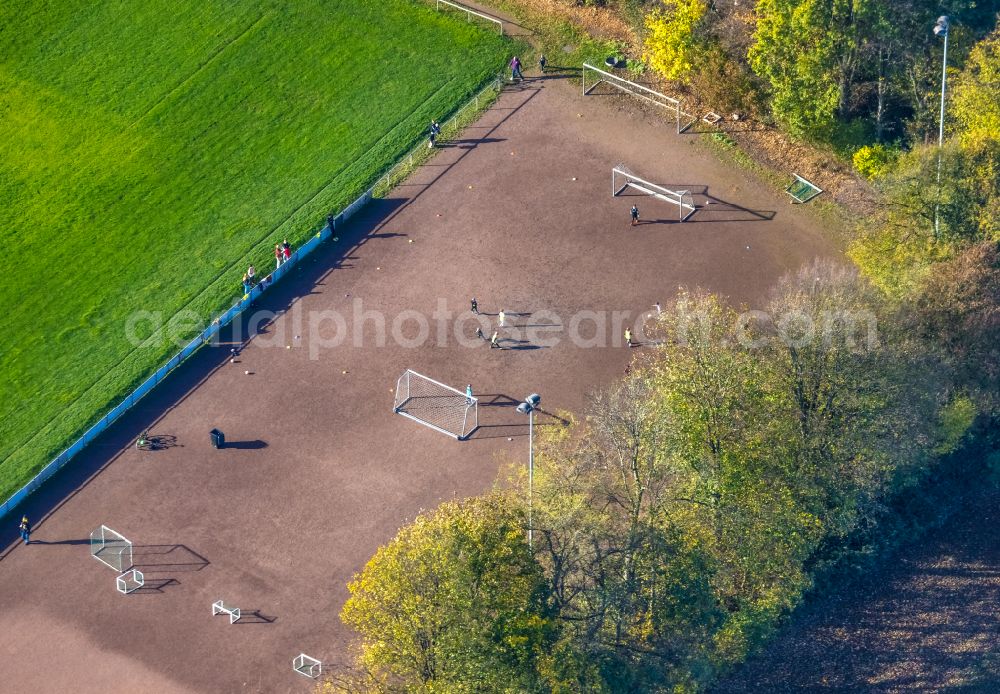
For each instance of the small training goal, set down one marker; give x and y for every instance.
(622, 179)
(593, 76)
(436, 405)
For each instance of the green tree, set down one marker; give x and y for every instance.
(808, 51)
(956, 309)
(863, 398)
(456, 603)
(976, 98)
(631, 586)
(976, 110)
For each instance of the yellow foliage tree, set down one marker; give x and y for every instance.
(673, 41)
(976, 101)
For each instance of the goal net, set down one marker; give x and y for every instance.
(436, 405)
(593, 76)
(622, 179)
(111, 548)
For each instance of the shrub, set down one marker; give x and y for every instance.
(875, 161)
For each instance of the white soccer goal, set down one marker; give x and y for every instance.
(130, 581)
(111, 548)
(672, 105)
(470, 13)
(220, 607)
(304, 665)
(622, 178)
(436, 405)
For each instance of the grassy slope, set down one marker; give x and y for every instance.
(149, 151)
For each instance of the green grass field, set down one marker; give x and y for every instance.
(150, 150)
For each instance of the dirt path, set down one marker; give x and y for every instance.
(927, 622)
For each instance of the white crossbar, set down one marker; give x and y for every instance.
(470, 11)
(676, 197)
(615, 79)
(641, 91)
(219, 607)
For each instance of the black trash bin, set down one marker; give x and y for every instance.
(218, 438)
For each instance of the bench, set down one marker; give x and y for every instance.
(219, 607)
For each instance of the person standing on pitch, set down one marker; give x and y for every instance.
(541, 62)
(279, 254)
(25, 530)
(628, 337)
(286, 250)
(475, 306)
(493, 341)
(479, 334)
(468, 394)
(515, 69)
(250, 273)
(635, 215)
(501, 317)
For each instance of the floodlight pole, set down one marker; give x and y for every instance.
(531, 471)
(941, 29)
(528, 407)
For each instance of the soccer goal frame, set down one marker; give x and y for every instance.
(130, 581)
(436, 405)
(622, 179)
(111, 548)
(308, 666)
(470, 13)
(684, 120)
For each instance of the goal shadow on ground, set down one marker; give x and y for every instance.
(499, 418)
(307, 278)
(176, 557)
(709, 208)
(254, 617)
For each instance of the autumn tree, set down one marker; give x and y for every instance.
(455, 602)
(676, 40)
(958, 310)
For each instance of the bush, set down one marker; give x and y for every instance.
(875, 161)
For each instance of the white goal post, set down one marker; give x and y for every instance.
(684, 120)
(306, 665)
(470, 13)
(436, 405)
(622, 178)
(111, 548)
